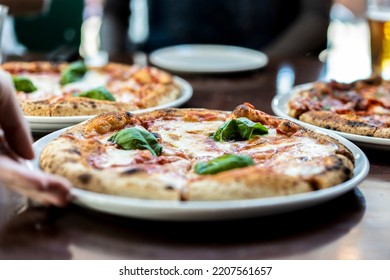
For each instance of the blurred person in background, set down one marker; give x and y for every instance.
(10, 44)
(24, 7)
(60, 29)
(277, 27)
(57, 25)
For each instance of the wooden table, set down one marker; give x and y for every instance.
(353, 226)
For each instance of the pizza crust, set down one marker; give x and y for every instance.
(254, 182)
(39, 108)
(383, 132)
(78, 106)
(350, 123)
(64, 158)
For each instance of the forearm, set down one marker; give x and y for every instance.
(307, 34)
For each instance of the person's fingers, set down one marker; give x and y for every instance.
(59, 188)
(12, 122)
(36, 185)
(50, 190)
(47, 199)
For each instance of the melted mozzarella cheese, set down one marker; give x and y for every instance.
(46, 84)
(126, 97)
(191, 138)
(291, 156)
(92, 79)
(300, 158)
(380, 110)
(172, 173)
(117, 157)
(294, 156)
(299, 170)
(49, 84)
(125, 90)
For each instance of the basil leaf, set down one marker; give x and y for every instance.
(247, 128)
(73, 73)
(23, 84)
(136, 139)
(227, 131)
(239, 129)
(223, 163)
(99, 93)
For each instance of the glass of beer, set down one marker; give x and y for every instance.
(378, 15)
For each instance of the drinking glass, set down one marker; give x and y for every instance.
(378, 16)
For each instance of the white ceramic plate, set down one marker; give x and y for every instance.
(210, 210)
(208, 59)
(280, 108)
(49, 124)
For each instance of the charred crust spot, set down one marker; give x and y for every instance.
(347, 171)
(241, 111)
(374, 80)
(84, 178)
(184, 194)
(336, 164)
(169, 110)
(169, 188)
(287, 124)
(314, 184)
(357, 124)
(304, 158)
(92, 103)
(75, 106)
(131, 171)
(74, 151)
(327, 126)
(347, 154)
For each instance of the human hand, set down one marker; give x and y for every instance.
(16, 146)
(15, 129)
(45, 189)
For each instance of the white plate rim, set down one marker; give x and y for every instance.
(280, 108)
(159, 59)
(186, 92)
(210, 210)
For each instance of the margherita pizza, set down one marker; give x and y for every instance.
(49, 89)
(361, 107)
(197, 154)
